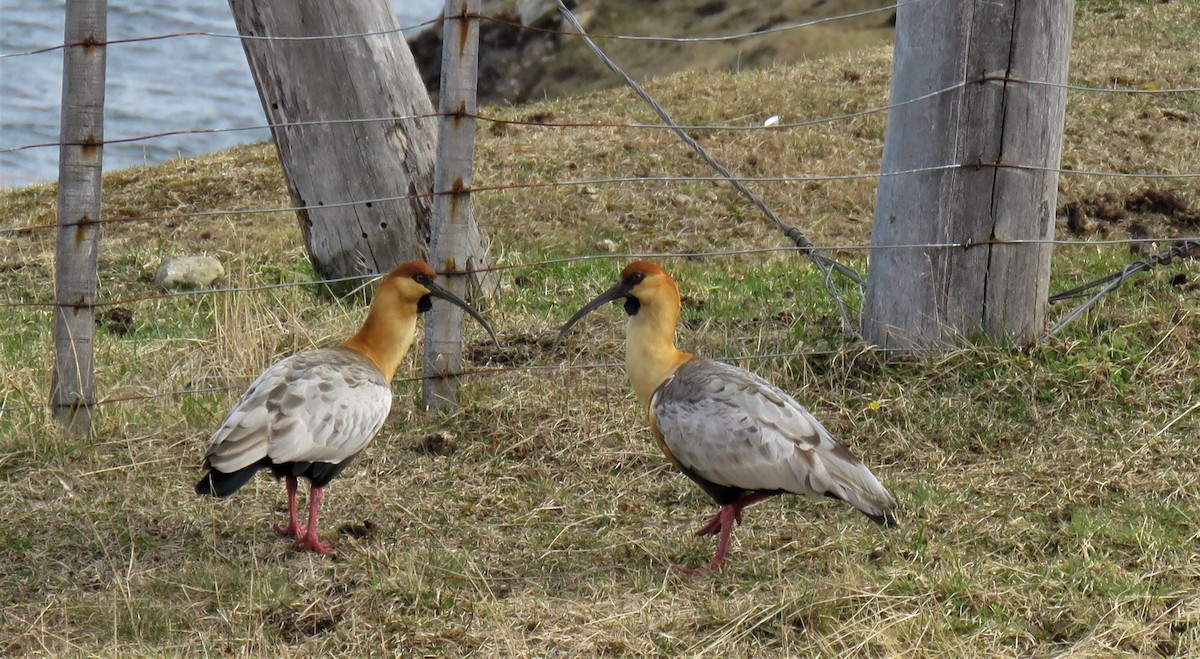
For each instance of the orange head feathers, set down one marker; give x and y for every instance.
(641, 283)
(651, 299)
(403, 293)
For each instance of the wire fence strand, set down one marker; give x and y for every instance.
(619, 180)
(1094, 291)
(1191, 244)
(783, 125)
(482, 17)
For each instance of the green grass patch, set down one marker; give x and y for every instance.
(1048, 497)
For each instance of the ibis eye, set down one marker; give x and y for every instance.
(636, 278)
(421, 278)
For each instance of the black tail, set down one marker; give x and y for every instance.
(887, 520)
(219, 484)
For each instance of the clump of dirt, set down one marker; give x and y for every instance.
(365, 529)
(118, 320)
(1150, 212)
(514, 350)
(439, 443)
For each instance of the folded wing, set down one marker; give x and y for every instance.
(323, 405)
(735, 429)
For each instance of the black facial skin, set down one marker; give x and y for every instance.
(425, 302)
(632, 305)
(619, 291)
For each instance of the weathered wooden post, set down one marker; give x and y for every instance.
(79, 177)
(992, 124)
(361, 186)
(453, 221)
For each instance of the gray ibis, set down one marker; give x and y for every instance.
(739, 437)
(311, 414)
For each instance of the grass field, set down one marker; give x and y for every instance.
(1049, 499)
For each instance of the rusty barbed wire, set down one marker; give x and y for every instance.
(482, 17)
(782, 125)
(624, 256)
(485, 371)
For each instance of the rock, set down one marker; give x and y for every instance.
(537, 12)
(183, 272)
(1078, 221)
(1139, 231)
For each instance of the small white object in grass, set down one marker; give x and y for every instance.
(771, 120)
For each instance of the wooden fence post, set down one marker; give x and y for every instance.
(311, 90)
(79, 177)
(452, 217)
(1006, 133)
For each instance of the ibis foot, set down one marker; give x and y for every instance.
(699, 571)
(309, 541)
(292, 530)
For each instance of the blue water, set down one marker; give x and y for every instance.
(152, 87)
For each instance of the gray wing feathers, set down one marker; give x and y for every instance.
(318, 406)
(736, 429)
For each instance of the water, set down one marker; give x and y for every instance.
(152, 87)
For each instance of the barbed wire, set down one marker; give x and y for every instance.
(1109, 283)
(1181, 249)
(481, 17)
(807, 178)
(518, 122)
(221, 35)
(531, 28)
(190, 293)
(783, 125)
(579, 33)
(486, 371)
(234, 129)
(736, 36)
(1105, 285)
(624, 256)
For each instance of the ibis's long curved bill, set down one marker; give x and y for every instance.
(436, 290)
(616, 292)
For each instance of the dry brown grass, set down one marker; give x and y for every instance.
(1049, 500)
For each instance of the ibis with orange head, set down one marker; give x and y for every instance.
(739, 437)
(311, 414)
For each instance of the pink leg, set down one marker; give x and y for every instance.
(714, 524)
(725, 521)
(293, 529)
(309, 540)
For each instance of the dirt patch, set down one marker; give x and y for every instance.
(1143, 213)
(514, 350)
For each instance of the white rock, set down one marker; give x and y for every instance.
(606, 245)
(179, 272)
(533, 12)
